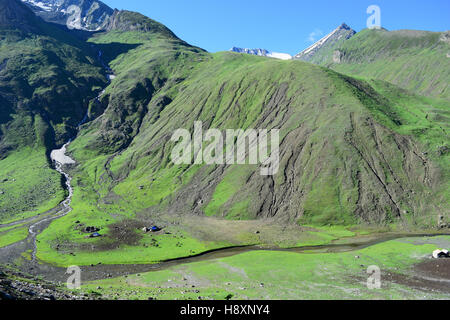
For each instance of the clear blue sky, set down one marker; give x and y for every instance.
(281, 25)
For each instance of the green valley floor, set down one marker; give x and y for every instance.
(407, 272)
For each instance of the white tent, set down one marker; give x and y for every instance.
(440, 254)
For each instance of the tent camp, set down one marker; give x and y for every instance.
(152, 229)
(95, 235)
(437, 254)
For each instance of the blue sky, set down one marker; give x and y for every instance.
(281, 25)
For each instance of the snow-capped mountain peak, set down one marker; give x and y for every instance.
(90, 15)
(46, 6)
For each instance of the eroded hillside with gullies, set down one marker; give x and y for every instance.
(352, 150)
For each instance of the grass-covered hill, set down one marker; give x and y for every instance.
(351, 150)
(411, 59)
(47, 77)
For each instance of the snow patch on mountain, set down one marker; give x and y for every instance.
(281, 56)
(262, 53)
(39, 4)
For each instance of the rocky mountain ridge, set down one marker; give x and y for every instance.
(329, 42)
(89, 15)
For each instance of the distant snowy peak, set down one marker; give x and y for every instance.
(87, 15)
(262, 53)
(255, 52)
(341, 33)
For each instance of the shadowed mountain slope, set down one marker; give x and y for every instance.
(47, 77)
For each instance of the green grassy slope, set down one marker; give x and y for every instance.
(351, 151)
(47, 77)
(414, 60)
(323, 116)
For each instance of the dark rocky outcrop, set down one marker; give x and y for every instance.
(18, 286)
(89, 15)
